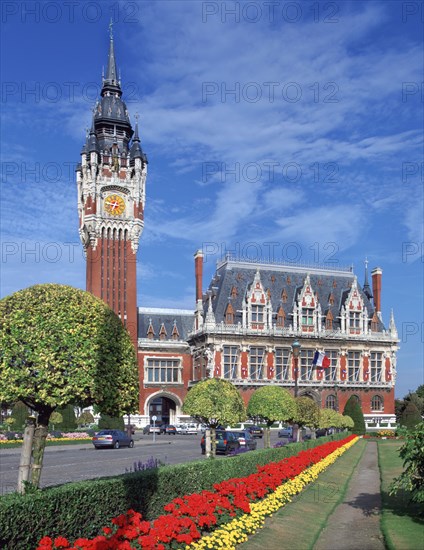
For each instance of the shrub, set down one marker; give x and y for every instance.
(83, 508)
(353, 409)
(111, 423)
(412, 478)
(410, 416)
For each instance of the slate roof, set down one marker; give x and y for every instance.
(232, 275)
(184, 320)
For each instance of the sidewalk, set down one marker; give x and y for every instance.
(355, 523)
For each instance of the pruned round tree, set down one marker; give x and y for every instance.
(59, 346)
(271, 404)
(307, 413)
(215, 402)
(353, 409)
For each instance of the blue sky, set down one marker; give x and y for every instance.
(293, 123)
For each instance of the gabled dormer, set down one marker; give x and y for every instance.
(354, 314)
(150, 331)
(257, 309)
(162, 332)
(307, 310)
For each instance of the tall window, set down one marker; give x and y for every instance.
(305, 363)
(257, 313)
(282, 371)
(353, 365)
(355, 322)
(376, 366)
(377, 403)
(230, 358)
(329, 321)
(330, 402)
(331, 371)
(163, 371)
(257, 363)
(307, 318)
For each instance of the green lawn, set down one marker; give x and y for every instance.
(401, 524)
(298, 525)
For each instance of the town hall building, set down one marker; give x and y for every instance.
(255, 324)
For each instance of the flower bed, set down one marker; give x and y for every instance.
(234, 508)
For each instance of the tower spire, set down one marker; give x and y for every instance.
(366, 287)
(111, 82)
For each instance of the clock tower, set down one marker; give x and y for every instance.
(111, 194)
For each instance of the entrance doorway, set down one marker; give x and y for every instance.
(164, 409)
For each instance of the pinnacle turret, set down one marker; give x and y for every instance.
(366, 287)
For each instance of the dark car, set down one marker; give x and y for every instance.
(226, 442)
(286, 432)
(149, 429)
(168, 429)
(255, 431)
(321, 432)
(246, 440)
(112, 438)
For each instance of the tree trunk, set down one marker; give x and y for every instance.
(213, 442)
(25, 462)
(208, 443)
(40, 437)
(267, 437)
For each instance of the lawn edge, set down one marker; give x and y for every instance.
(342, 494)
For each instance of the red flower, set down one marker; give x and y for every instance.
(61, 542)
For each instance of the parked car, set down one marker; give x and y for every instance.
(112, 438)
(246, 440)
(191, 429)
(255, 431)
(168, 429)
(286, 432)
(226, 442)
(321, 432)
(181, 428)
(149, 429)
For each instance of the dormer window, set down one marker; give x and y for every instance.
(307, 318)
(284, 296)
(150, 331)
(234, 292)
(229, 315)
(175, 334)
(374, 323)
(257, 313)
(162, 332)
(281, 317)
(329, 321)
(355, 322)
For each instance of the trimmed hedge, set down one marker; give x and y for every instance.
(81, 509)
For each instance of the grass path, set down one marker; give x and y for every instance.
(401, 524)
(298, 525)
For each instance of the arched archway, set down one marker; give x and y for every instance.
(165, 406)
(311, 394)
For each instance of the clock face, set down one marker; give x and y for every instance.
(114, 205)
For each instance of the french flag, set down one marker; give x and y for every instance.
(321, 360)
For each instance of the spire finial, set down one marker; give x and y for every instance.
(366, 287)
(111, 28)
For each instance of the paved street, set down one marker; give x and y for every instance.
(76, 462)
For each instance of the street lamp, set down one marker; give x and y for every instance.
(296, 350)
(336, 387)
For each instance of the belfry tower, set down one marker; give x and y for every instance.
(111, 194)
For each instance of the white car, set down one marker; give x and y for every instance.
(181, 428)
(191, 429)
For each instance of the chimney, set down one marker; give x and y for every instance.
(198, 273)
(376, 288)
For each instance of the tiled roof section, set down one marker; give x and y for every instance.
(325, 283)
(181, 318)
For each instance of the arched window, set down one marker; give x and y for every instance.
(330, 402)
(377, 403)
